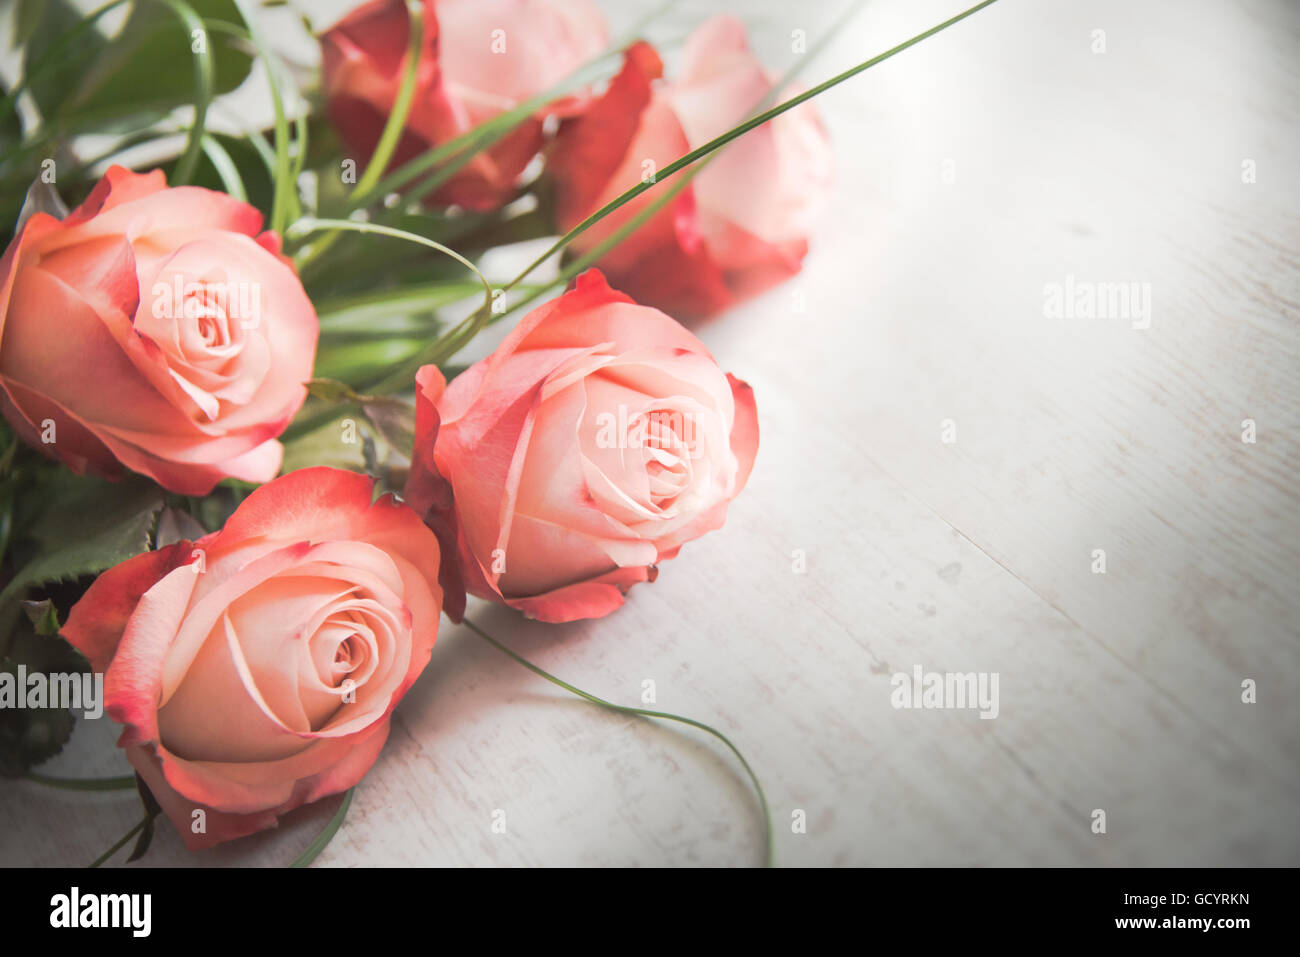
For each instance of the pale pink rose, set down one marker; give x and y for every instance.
(256, 669)
(595, 441)
(742, 224)
(480, 59)
(155, 329)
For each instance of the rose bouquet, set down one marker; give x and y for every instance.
(246, 466)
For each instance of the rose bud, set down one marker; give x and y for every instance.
(742, 223)
(480, 58)
(596, 440)
(256, 669)
(155, 329)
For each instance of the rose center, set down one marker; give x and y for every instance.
(668, 453)
(348, 656)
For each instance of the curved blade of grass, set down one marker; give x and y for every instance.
(263, 149)
(309, 225)
(284, 195)
(204, 82)
(460, 333)
(324, 837)
(407, 369)
(401, 104)
(254, 137)
(225, 167)
(300, 126)
(597, 252)
(393, 128)
(664, 715)
(735, 132)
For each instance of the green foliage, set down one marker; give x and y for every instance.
(83, 526)
(29, 736)
(147, 69)
(59, 41)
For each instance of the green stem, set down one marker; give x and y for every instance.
(127, 782)
(667, 716)
(121, 843)
(324, 837)
(225, 167)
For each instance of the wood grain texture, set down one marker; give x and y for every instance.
(923, 301)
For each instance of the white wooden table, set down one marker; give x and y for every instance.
(974, 170)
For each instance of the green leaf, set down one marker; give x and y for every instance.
(149, 65)
(26, 18)
(362, 312)
(324, 445)
(29, 736)
(212, 511)
(86, 526)
(353, 361)
(246, 167)
(52, 36)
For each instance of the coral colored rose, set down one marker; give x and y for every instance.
(155, 329)
(255, 669)
(596, 440)
(742, 224)
(480, 58)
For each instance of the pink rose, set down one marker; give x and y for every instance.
(742, 224)
(256, 669)
(481, 58)
(155, 329)
(596, 440)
